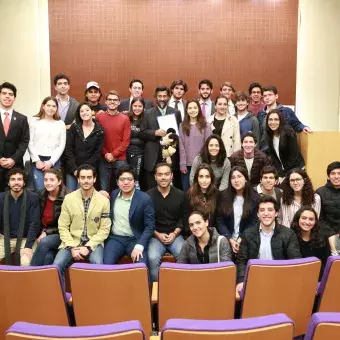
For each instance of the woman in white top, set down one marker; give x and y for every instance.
(226, 126)
(227, 90)
(47, 140)
(297, 192)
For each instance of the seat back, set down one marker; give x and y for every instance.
(278, 327)
(329, 286)
(104, 294)
(286, 286)
(131, 330)
(32, 294)
(204, 291)
(324, 326)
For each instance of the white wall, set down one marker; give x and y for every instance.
(318, 65)
(24, 51)
(24, 58)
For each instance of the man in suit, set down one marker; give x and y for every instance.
(67, 106)
(84, 222)
(153, 134)
(133, 220)
(205, 90)
(14, 133)
(178, 89)
(136, 88)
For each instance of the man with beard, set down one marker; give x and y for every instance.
(153, 134)
(84, 222)
(205, 89)
(93, 95)
(170, 210)
(19, 220)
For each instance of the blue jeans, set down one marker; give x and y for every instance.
(71, 182)
(38, 175)
(157, 249)
(117, 246)
(46, 250)
(64, 259)
(106, 170)
(186, 179)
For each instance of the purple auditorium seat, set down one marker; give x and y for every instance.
(277, 326)
(281, 286)
(329, 286)
(116, 293)
(324, 326)
(192, 291)
(31, 294)
(130, 330)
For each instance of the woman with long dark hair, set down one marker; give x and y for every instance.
(47, 140)
(213, 153)
(205, 245)
(297, 191)
(51, 198)
(311, 240)
(202, 194)
(135, 150)
(283, 147)
(193, 132)
(237, 207)
(84, 143)
(225, 125)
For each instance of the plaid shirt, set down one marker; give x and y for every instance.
(84, 238)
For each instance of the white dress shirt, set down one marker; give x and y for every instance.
(180, 105)
(2, 113)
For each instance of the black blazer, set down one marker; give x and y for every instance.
(289, 150)
(71, 112)
(125, 104)
(15, 144)
(225, 223)
(152, 146)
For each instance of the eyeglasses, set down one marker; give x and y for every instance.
(123, 179)
(295, 180)
(112, 100)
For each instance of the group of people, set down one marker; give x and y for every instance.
(236, 188)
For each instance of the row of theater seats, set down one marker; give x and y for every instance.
(322, 326)
(103, 294)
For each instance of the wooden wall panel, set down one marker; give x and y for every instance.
(113, 41)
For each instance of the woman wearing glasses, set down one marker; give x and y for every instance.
(297, 192)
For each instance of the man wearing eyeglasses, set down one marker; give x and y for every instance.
(117, 130)
(133, 220)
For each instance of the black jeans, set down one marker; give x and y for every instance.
(135, 158)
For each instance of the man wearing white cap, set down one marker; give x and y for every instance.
(93, 95)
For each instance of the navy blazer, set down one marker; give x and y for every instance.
(141, 216)
(225, 223)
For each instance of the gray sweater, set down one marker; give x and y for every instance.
(221, 173)
(188, 252)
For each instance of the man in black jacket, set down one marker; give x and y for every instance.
(153, 134)
(330, 206)
(267, 241)
(19, 220)
(14, 133)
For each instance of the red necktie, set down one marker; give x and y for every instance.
(6, 123)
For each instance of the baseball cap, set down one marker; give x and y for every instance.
(92, 84)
